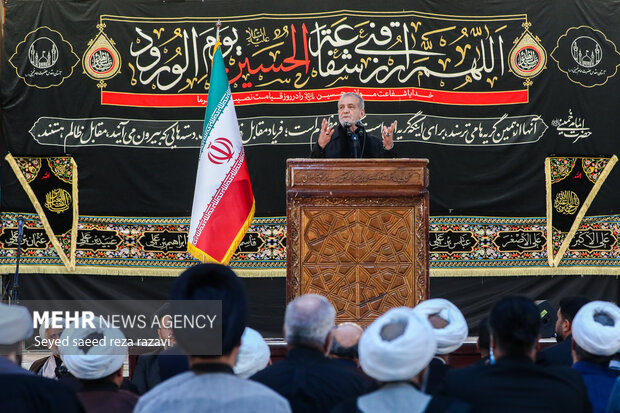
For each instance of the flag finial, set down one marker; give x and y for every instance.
(218, 25)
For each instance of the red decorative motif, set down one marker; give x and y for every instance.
(220, 151)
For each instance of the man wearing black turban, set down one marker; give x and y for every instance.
(210, 385)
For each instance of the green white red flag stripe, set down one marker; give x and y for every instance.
(223, 205)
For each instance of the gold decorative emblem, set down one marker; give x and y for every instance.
(101, 61)
(527, 57)
(58, 200)
(566, 202)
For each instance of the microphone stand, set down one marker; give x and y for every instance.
(354, 137)
(361, 129)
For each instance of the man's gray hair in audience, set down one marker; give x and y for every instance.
(308, 321)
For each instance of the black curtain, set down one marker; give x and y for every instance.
(267, 296)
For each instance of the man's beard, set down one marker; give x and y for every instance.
(558, 337)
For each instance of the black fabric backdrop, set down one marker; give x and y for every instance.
(473, 295)
(503, 179)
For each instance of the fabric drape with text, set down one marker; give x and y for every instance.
(223, 205)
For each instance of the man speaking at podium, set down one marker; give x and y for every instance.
(349, 138)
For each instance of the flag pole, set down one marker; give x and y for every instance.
(223, 205)
(218, 25)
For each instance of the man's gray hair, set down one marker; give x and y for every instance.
(308, 320)
(360, 99)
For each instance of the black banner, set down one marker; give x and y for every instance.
(484, 90)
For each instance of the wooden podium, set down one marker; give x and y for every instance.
(357, 233)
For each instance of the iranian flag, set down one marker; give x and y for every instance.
(223, 205)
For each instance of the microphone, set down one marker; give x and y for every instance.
(360, 124)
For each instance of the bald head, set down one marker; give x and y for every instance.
(345, 338)
(348, 334)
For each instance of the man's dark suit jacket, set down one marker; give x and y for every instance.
(517, 385)
(146, 373)
(172, 361)
(28, 393)
(106, 397)
(312, 382)
(437, 370)
(557, 355)
(341, 146)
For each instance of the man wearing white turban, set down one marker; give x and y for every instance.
(254, 354)
(47, 366)
(98, 364)
(395, 350)
(20, 390)
(596, 338)
(15, 327)
(450, 329)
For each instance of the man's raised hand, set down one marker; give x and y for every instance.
(388, 136)
(326, 134)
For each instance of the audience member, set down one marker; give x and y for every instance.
(306, 377)
(514, 383)
(406, 351)
(20, 390)
(48, 366)
(483, 344)
(210, 385)
(450, 330)
(614, 400)
(344, 344)
(98, 366)
(146, 374)
(395, 350)
(171, 362)
(254, 354)
(560, 354)
(15, 327)
(614, 364)
(596, 338)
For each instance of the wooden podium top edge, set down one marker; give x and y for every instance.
(373, 174)
(359, 162)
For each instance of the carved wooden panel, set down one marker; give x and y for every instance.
(366, 252)
(373, 255)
